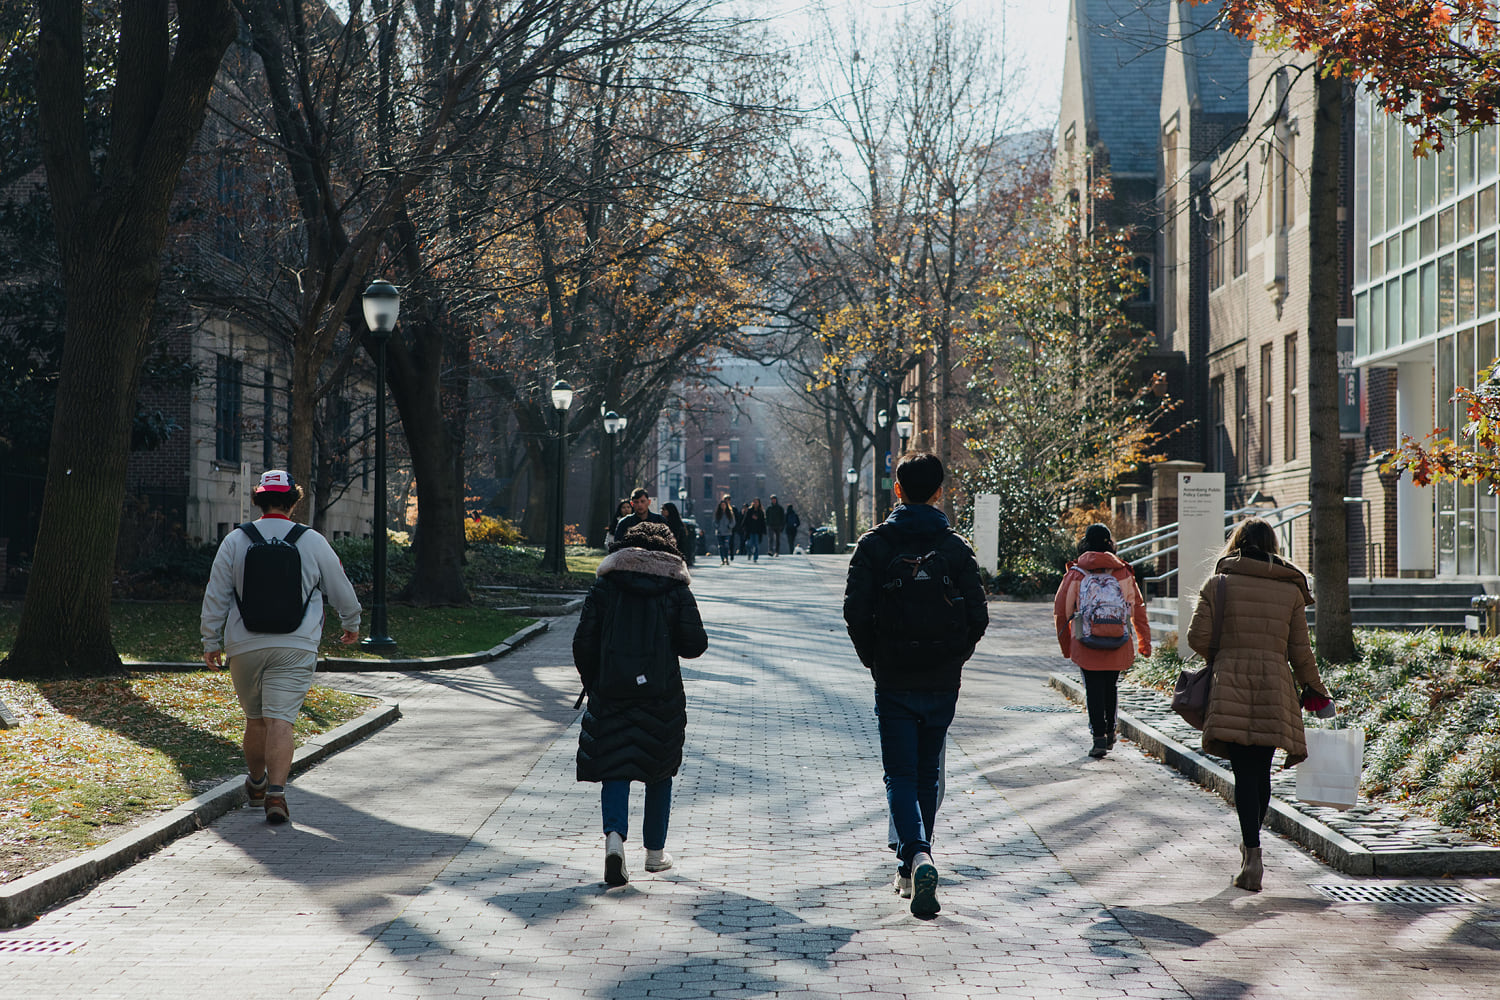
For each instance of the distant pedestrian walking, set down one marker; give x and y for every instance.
(1253, 704)
(672, 518)
(775, 526)
(792, 524)
(754, 527)
(638, 618)
(258, 567)
(915, 609)
(1101, 623)
(724, 524)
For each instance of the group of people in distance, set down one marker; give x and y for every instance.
(741, 530)
(915, 609)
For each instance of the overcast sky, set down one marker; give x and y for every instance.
(1034, 33)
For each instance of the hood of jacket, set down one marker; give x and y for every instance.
(917, 519)
(1268, 567)
(1093, 562)
(644, 569)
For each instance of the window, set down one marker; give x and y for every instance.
(687, 485)
(760, 451)
(1169, 272)
(708, 451)
(708, 488)
(1241, 421)
(760, 485)
(231, 186)
(1145, 264)
(336, 418)
(1237, 251)
(1216, 251)
(674, 483)
(227, 410)
(1289, 402)
(1221, 428)
(724, 452)
(1268, 399)
(674, 449)
(734, 489)
(734, 449)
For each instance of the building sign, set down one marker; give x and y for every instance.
(987, 530)
(1349, 418)
(1200, 536)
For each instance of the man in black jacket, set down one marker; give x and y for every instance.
(640, 513)
(915, 609)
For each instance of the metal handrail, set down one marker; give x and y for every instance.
(1278, 517)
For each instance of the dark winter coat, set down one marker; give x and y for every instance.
(635, 737)
(911, 528)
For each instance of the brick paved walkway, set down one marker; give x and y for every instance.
(454, 855)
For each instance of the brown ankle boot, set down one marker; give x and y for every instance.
(1251, 869)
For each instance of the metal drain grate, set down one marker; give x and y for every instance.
(1421, 894)
(1038, 708)
(17, 946)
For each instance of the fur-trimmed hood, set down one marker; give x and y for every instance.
(646, 562)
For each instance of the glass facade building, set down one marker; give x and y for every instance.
(1426, 235)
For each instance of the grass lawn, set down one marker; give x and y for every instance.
(167, 631)
(95, 756)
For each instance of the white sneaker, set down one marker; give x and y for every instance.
(924, 882)
(902, 885)
(614, 860)
(658, 861)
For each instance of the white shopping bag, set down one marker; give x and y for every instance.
(1330, 774)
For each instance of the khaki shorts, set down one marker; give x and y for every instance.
(271, 683)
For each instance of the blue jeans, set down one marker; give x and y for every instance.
(752, 546)
(913, 726)
(725, 542)
(614, 802)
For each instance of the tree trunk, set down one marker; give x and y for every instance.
(111, 225)
(1334, 624)
(435, 440)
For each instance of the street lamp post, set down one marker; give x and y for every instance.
(613, 425)
(684, 503)
(562, 399)
(852, 478)
(903, 421)
(382, 304)
(880, 476)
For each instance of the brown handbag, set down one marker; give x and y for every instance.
(1190, 693)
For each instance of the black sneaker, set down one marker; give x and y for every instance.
(924, 883)
(1101, 746)
(1111, 739)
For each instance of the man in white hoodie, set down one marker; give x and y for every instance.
(272, 670)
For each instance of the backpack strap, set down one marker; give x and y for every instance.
(250, 529)
(297, 532)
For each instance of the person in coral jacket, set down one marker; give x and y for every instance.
(1102, 651)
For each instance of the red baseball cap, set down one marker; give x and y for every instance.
(275, 481)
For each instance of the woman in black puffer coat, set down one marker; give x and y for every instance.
(638, 618)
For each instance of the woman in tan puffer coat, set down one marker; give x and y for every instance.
(1254, 705)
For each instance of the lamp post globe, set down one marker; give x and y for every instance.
(382, 304)
(562, 399)
(613, 425)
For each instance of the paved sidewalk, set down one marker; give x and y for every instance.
(453, 854)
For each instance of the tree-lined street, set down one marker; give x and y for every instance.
(453, 854)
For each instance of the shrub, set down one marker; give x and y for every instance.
(492, 529)
(1028, 577)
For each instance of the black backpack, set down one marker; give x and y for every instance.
(273, 601)
(635, 649)
(919, 608)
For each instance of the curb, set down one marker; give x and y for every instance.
(355, 665)
(25, 898)
(1286, 819)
